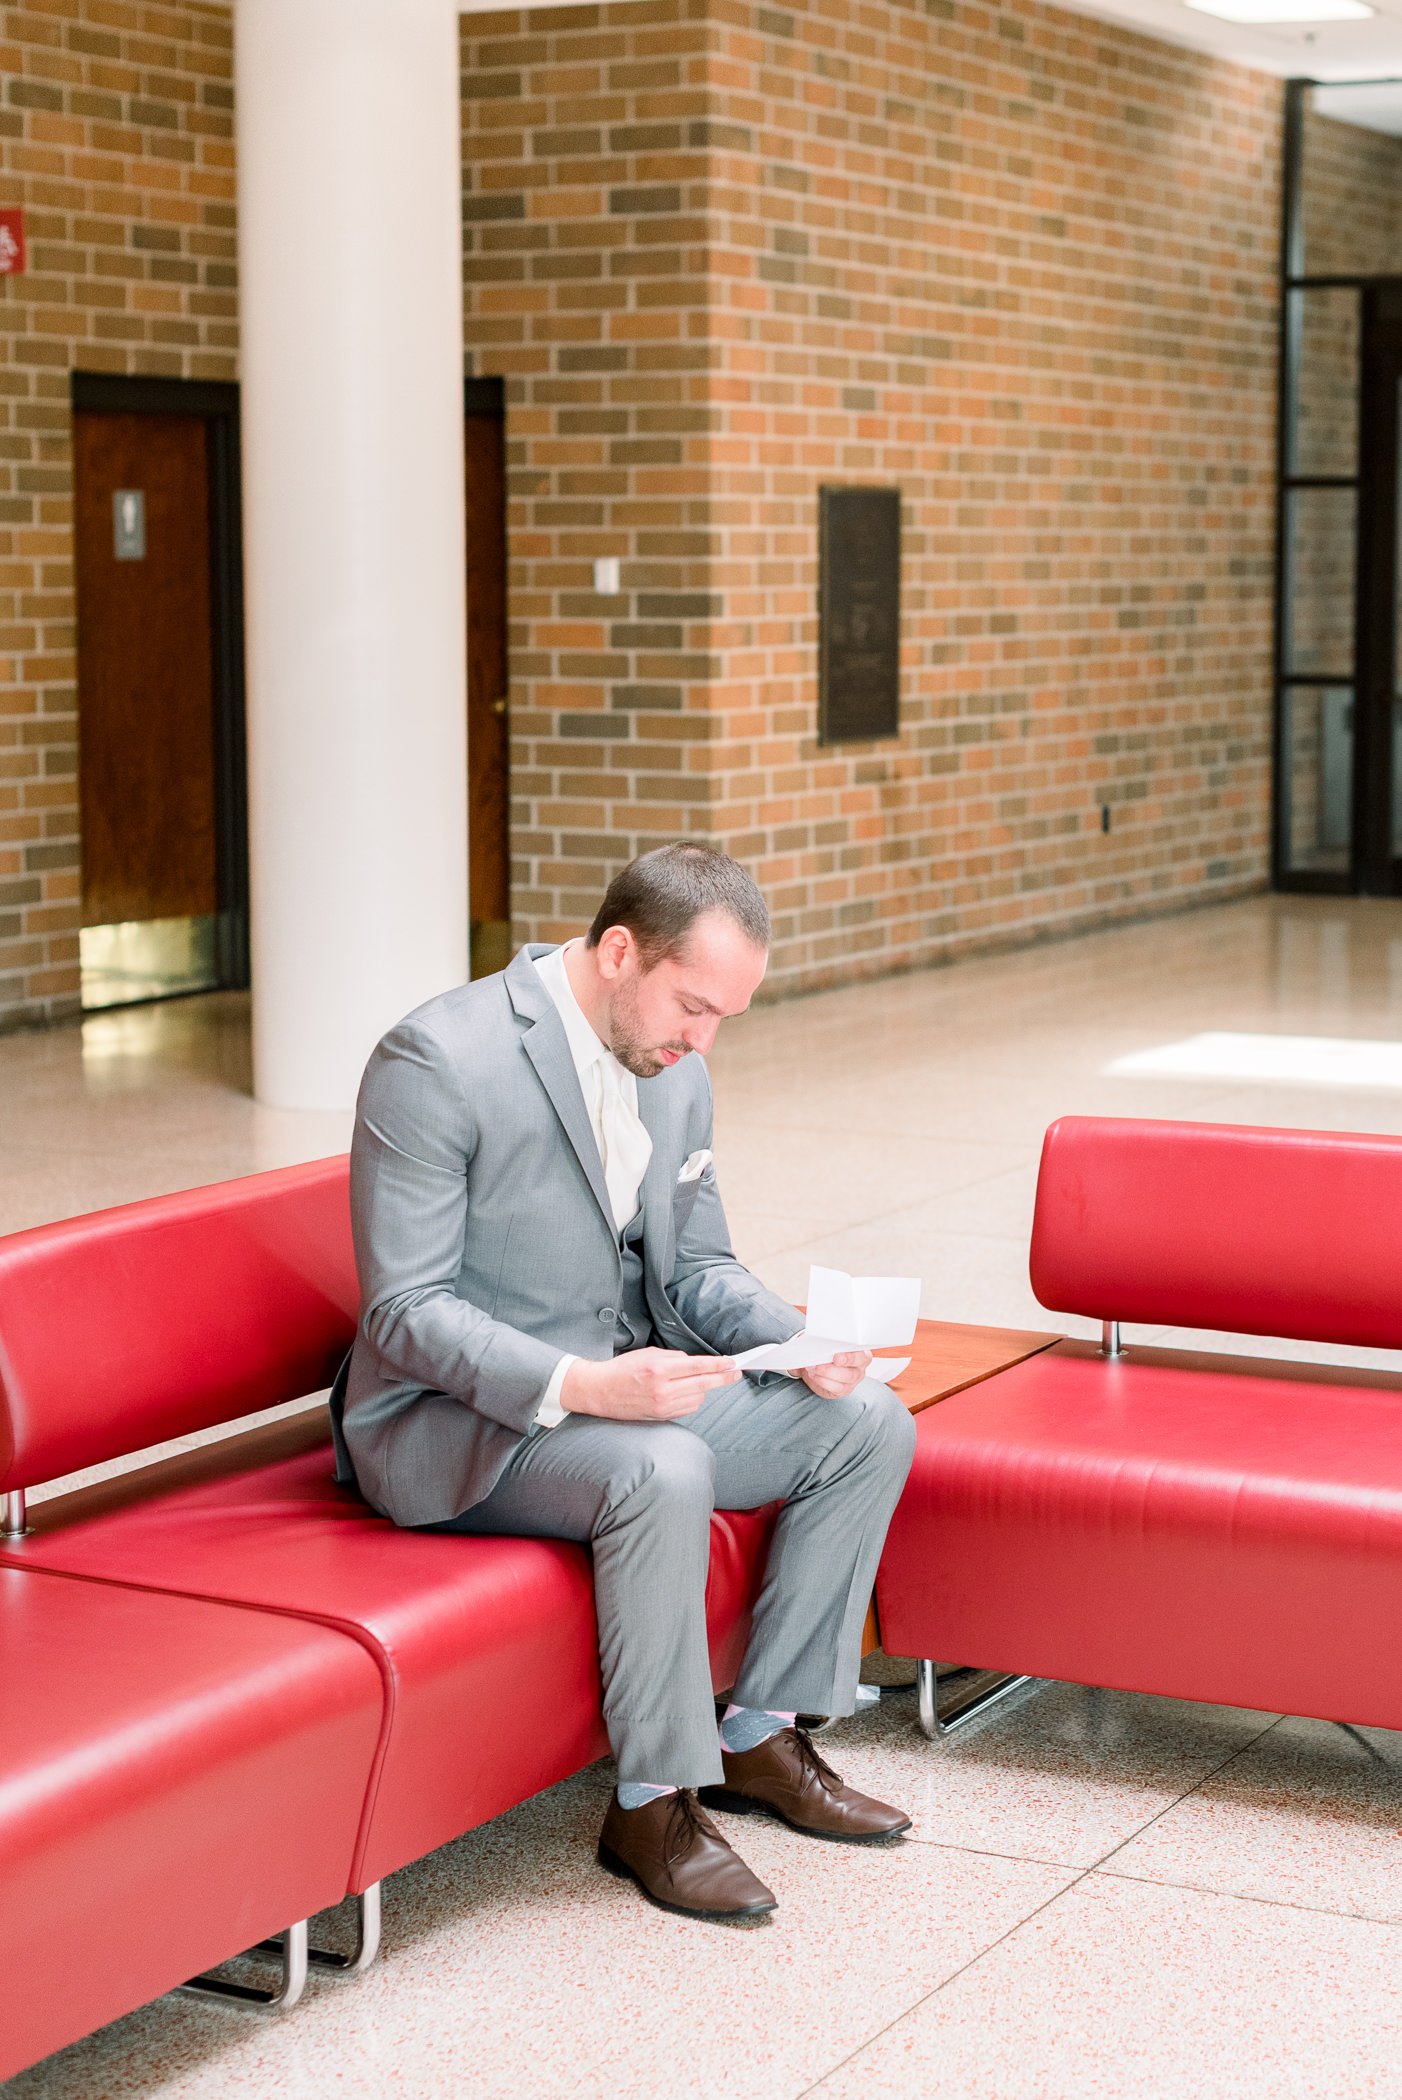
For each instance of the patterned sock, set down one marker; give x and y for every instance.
(746, 1727)
(636, 1793)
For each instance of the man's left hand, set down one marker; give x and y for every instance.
(842, 1376)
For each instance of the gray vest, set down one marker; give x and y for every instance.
(634, 1330)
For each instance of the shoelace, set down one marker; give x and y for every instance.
(814, 1765)
(683, 1815)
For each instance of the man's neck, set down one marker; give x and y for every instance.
(589, 994)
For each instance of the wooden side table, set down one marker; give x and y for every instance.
(947, 1356)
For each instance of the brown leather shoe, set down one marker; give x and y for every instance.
(679, 1860)
(786, 1776)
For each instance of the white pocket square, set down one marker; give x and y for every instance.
(695, 1166)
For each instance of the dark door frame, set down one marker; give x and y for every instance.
(216, 403)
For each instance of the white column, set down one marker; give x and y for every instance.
(351, 269)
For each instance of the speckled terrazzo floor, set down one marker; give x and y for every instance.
(1103, 1894)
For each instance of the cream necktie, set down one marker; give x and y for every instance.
(625, 1145)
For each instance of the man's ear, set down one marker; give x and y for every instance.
(616, 944)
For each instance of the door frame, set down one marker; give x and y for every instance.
(216, 403)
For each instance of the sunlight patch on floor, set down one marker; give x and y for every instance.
(1295, 1060)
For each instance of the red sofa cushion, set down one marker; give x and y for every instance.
(178, 1780)
(130, 1326)
(488, 1648)
(1203, 1526)
(1283, 1232)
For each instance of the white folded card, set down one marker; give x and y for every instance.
(845, 1312)
(884, 1368)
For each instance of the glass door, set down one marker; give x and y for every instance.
(1378, 784)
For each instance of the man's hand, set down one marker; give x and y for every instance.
(836, 1380)
(644, 1385)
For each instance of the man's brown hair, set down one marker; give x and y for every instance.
(660, 896)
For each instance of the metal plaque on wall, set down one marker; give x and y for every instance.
(859, 614)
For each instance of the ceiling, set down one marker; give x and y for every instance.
(1367, 50)
(1329, 51)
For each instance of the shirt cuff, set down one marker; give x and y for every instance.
(550, 1411)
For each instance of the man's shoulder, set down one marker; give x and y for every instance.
(469, 1016)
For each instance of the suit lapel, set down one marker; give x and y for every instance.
(547, 1046)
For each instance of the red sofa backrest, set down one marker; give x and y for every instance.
(129, 1326)
(1295, 1233)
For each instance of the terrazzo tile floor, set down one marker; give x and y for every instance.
(1103, 1893)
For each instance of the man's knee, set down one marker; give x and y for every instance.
(673, 1472)
(891, 1426)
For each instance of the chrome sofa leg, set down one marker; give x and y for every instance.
(292, 1946)
(959, 1710)
(367, 1939)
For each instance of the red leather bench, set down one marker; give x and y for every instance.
(177, 1780)
(1160, 1520)
(136, 1325)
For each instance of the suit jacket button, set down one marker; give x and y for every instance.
(608, 1315)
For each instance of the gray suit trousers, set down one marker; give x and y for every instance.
(642, 1493)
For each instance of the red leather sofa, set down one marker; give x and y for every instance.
(237, 1628)
(1211, 1527)
(195, 1640)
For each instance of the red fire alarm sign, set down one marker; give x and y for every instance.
(11, 243)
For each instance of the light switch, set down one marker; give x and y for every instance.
(129, 524)
(606, 576)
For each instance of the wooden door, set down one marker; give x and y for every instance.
(487, 724)
(145, 668)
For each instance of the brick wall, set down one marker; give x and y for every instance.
(1016, 262)
(116, 138)
(1019, 264)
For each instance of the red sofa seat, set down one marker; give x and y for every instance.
(177, 1781)
(1170, 1521)
(159, 1318)
(487, 1648)
(1207, 1527)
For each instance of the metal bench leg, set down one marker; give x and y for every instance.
(367, 1939)
(958, 1711)
(292, 1946)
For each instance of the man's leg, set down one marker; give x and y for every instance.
(838, 1466)
(641, 1494)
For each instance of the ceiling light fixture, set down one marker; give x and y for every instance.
(1266, 12)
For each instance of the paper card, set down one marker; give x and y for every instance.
(870, 1312)
(797, 1355)
(845, 1312)
(885, 1368)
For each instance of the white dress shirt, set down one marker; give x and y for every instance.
(611, 1099)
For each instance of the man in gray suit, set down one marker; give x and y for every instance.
(549, 1307)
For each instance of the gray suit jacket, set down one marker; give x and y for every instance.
(486, 1246)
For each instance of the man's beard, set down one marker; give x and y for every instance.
(626, 1038)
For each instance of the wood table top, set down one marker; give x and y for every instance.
(947, 1356)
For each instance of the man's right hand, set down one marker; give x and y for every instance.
(644, 1385)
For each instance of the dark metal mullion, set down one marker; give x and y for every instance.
(1291, 258)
